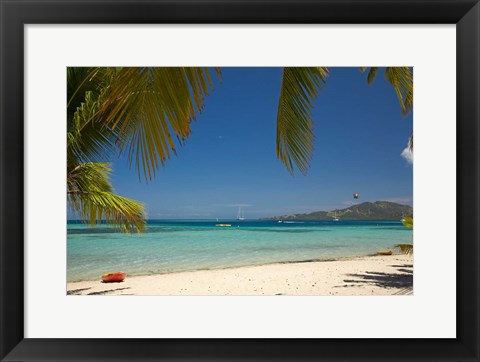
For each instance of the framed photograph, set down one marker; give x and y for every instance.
(238, 181)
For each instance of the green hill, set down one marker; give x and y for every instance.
(379, 210)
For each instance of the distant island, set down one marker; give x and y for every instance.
(379, 210)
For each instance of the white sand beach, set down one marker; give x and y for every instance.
(370, 275)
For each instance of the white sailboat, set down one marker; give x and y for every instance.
(240, 214)
(335, 218)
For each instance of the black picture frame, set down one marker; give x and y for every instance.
(15, 14)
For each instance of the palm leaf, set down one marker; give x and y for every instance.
(136, 110)
(91, 197)
(300, 86)
(402, 80)
(120, 211)
(408, 222)
(151, 107)
(371, 73)
(405, 248)
(79, 81)
(86, 138)
(89, 176)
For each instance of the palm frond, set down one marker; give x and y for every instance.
(408, 101)
(89, 176)
(402, 80)
(94, 206)
(136, 110)
(87, 139)
(408, 222)
(300, 86)
(152, 106)
(371, 74)
(91, 197)
(78, 82)
(405, 248)
(81, 80)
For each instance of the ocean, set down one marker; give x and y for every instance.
(184, 245)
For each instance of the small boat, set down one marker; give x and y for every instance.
(240, 214)
(384, 252)
(225, 225)
(113, 277)
(280, 221)
(335, 218)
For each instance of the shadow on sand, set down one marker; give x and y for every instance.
(402, 279)
(77, 291)
(102, 292)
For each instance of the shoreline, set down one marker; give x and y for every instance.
(365, 275)
(319, 260)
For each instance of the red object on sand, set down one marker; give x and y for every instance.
(113, 277)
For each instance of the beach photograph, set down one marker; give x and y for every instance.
(239, 181)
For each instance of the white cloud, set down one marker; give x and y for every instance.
(407, 155)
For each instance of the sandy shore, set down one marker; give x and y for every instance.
(370, 275)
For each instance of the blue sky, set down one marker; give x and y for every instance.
(229, 160)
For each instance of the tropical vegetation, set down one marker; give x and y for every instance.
(406, 248)
(135, 112)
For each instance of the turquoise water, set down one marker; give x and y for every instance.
(171, 246)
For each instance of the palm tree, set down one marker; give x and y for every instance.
(406, 248)
(138, 112)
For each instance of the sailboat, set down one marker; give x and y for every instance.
(335, 218)
(240, 215)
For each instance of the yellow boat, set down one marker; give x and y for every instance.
(223, 224)
(384, 252)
